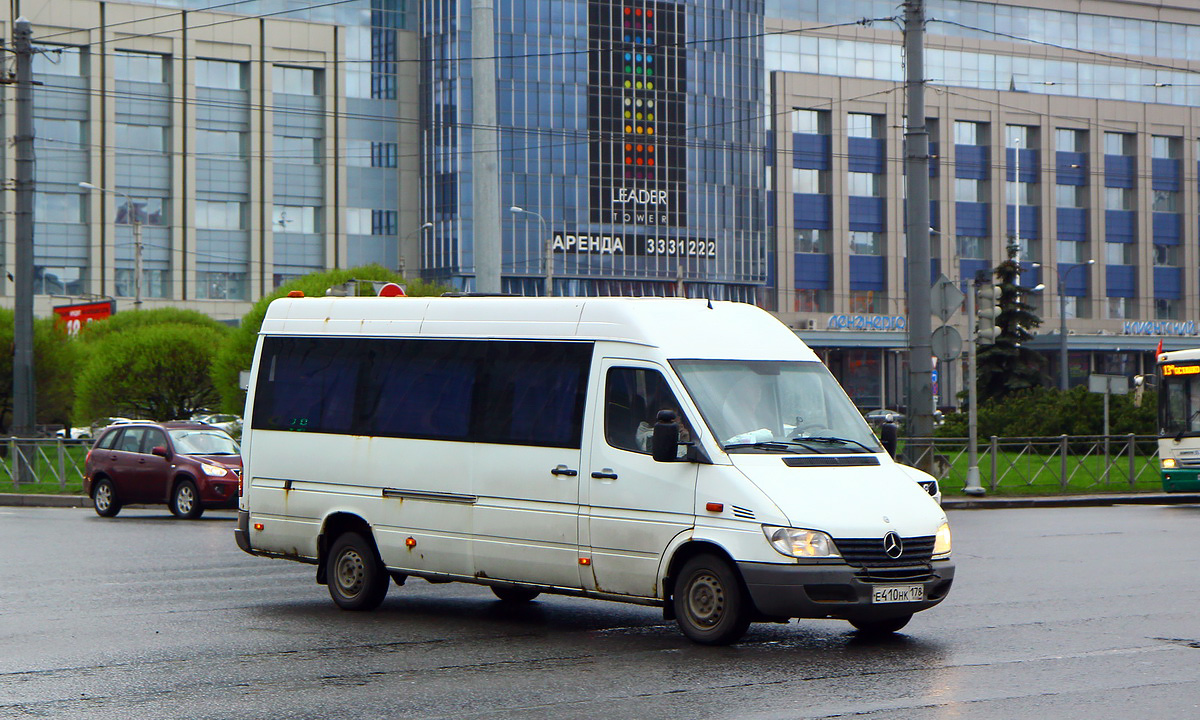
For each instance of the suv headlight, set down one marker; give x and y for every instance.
(214, 470)
(941, 542)
(800, 543)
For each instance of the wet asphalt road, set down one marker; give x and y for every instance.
(1056, 613)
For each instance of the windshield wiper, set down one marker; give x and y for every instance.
(829, 440)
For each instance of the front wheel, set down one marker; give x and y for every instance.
(880, 628)
(185, 501)
(711, 606)
(357, 578)
(515, 594)
(104, 499)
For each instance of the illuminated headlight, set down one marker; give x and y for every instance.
(1168, 463)
(795, 542)
(214, 470)
(941, 542)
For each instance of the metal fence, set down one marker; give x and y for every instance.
(1075, 463)
(53, 462)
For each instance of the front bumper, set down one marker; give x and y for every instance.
(838, 591)
(1181, 480)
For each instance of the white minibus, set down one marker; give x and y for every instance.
(687, 454)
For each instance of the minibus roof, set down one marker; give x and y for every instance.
(681, 327)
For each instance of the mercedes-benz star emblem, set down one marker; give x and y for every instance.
(893, 545)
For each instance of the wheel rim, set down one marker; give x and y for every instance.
(350, 573)
(706, 600)
(103, 497)
(184, 499)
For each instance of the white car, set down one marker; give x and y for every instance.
(231, 424)
(74, 433)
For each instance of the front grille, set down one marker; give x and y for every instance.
(868, 552)
(918, 573)
(930, 486)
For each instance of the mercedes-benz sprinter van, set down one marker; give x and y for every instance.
(688, 454)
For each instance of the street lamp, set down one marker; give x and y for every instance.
(548, 261)
(137, 240)
(421, 228)
(1062, 317)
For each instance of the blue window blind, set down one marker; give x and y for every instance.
(1073, 224)
(971, 161)
(1120, 225)
(866, 214)
(1122, 280)
(868, 272)
(813, 271)
(1168, 283)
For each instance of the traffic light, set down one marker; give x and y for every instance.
(987, 310)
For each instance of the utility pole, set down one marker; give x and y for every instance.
(485, 162)
(916, 169)
(24, 398)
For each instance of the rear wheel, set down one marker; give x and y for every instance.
(357, 578)
(880, 628)
(185, 501)
(515, 594)
(104, 498)
(711, 606)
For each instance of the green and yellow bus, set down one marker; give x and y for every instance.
(1179, 419)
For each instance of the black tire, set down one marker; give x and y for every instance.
(185, 500)
(711, 606)
(880, 628)
(357, 578)
(515, 594)
(104, 498)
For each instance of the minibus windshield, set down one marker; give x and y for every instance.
(1179, 405)
(786, 406)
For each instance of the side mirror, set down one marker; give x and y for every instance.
(160, 451)
(665, 441)
(889, 434)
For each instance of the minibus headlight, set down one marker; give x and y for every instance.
(1168, 463)
(800, 543)
(941, 542)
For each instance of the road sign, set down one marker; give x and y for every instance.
(947, 343)
(946, 298)
(1111, 384)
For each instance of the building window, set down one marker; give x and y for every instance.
(1120, 308)
(58, 60)
(967, 132)
(219, 215)
(1069, 251)
(1070, 140)
(1070, 196)
(973, 248)
(812, 241)
(221, 144)
(220, 74)
(1166, 255)
(1166, 309)
(864, 184)
(384, 154)
(145, 210)
(221, 285)
(1118, 253)
(58, 280)
(1120, 143)
(810, 122)
(294, 219)
(866, 243)
(970, 190)
(864, 126)
(58, 207)
(141, 138)
(155, 283)
(365, 221)
(294, 80)
(1024, 137)
(1166, 201)
(1029, 193)
(1170, 148)
(297, 150)
(811, 301)
(806, 181)
(1118, 199)
(139, 67)
(867, 302)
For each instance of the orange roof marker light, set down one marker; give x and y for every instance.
(296, 293)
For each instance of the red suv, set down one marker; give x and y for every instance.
(189, 466)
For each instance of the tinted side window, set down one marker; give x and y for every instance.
(108, 440)
(307, 384)
(535, 393)
(153, 438)
(419, 388)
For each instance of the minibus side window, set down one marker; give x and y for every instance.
(535, 393)
(419, 388)
(307, 384)
(632, 399)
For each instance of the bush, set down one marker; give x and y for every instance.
(55, 362)
(237, 351)
(1044, 412)
(128, 321)
(158, 372)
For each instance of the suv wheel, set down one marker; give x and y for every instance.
(104, 498)
(185, 501)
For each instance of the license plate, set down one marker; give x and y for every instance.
(897, 593)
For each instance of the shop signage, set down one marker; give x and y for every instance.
(619, 244)
(1159, 327)
(866, 322)
(74, 317)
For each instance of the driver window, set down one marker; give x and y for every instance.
(152, 439)
(633, 397)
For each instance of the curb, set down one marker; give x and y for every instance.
(1106, 500)
(18, 500)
